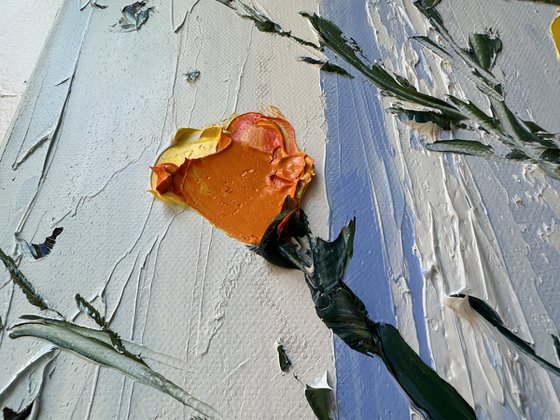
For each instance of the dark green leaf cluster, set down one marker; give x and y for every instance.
(288, 242)
(479, 57)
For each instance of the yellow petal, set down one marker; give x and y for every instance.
(190, 143)
(555, 31)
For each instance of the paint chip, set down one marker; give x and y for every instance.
(134, 16)
(192, 76)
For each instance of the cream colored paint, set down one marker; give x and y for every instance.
(99, 108)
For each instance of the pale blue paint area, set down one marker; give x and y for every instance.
(359, 170)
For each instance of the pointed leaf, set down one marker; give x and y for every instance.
(430, 3)
(33, 297)
(490, 315)
(431, 45)
(10, 414)
(327, 66)
(320, 398)
(104, 354)
(331, 258)
(422, 117)
(463, 147)
(475, 114)
(551, 155)
(485, 49)
(424, 387)
(283, 359)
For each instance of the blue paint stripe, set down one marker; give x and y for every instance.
(365, 389)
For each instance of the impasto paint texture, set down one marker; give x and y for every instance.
(451, 177)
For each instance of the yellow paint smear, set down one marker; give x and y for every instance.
(237, 175)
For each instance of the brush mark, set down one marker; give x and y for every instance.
(38, 362)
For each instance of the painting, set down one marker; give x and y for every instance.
(231, 209)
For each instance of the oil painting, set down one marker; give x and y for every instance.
(231, 209)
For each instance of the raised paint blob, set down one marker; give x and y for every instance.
(237, 173)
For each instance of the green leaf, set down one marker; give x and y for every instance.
(463, 147)
(327, 66)
(132, 349)
(556, 343)
(331, 258)
(551, 155)
(320, 399)
(485, 49)
(263, 23)
(424, 387)
(475, 114)
(517, 154)
(33, 297)
(490, 315)
(116, 341)
(290, 224)
(422, 117)
(332, 37)
(283, 359)
(427, 8)
(104, 354)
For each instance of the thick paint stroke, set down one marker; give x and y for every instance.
(365, 389)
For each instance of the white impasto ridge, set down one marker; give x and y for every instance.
(24, 26)
(479, 228)
(99, 108)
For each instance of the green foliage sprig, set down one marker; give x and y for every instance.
(526, 140)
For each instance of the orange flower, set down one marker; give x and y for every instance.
(236, 174)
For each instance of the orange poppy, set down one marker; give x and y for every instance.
(237, 174)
